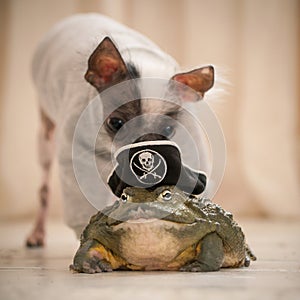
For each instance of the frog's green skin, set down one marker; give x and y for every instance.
(149, 231)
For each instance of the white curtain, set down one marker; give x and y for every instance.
(254, 45)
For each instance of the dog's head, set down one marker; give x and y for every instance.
(106, 68)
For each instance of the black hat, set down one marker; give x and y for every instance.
(152, 164)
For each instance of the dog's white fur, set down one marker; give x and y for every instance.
(58, 68)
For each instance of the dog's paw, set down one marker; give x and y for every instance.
(36, 239)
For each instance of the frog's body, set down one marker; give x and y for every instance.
(162, 229)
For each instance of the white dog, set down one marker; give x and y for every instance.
(79, 58)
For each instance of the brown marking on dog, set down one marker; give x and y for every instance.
(44, 191)
(47, 124)
(46, 152)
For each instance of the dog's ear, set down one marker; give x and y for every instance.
(200, 80)
(106, 66)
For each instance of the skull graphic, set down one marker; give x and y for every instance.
(146, 160)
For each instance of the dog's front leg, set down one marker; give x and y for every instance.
(46, 153)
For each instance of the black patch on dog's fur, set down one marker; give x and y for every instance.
(133, 71)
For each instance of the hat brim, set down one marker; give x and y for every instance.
(152, 164)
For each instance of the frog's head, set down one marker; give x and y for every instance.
(166, 203)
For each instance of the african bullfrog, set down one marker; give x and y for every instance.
(163, 229)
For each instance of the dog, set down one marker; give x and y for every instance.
(81, 57)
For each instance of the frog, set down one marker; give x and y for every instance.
(161, 229)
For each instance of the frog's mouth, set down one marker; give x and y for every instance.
(148, 212)
(139, 215)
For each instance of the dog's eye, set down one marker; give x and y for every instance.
(115, 124)
(168, 131)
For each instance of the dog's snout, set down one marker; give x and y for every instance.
(150, 137)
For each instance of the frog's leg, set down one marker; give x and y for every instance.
(92, 257)
(210, 255)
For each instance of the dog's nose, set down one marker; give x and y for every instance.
(151, 137)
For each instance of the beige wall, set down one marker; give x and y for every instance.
(253, 43)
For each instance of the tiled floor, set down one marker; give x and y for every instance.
(43, 273)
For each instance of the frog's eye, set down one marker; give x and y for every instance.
(124, 197)
(166, 195)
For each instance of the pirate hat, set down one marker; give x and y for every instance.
(152, 164)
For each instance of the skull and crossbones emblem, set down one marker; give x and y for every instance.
(151, 166)
(147, 160)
